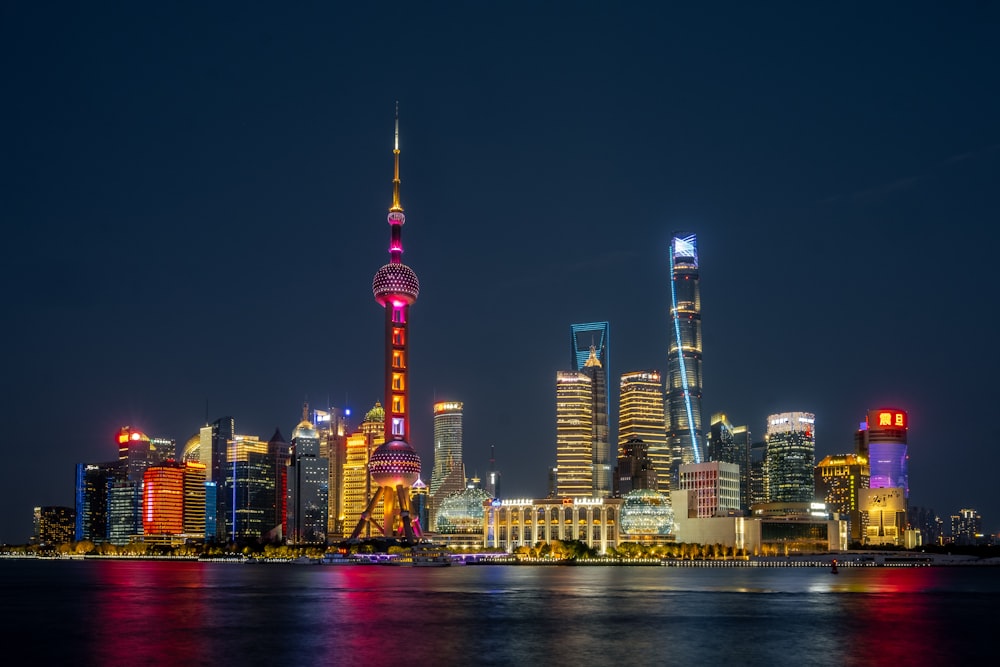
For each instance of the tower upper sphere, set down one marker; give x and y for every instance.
(395, 282)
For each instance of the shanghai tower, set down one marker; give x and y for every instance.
(683, 390)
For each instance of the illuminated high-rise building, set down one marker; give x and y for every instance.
(838, 481)
(333, 430)
(53, 525)
(213, 444)
(194, 500)
(590, 354)
(967, 527)
(882, 439)
(641, 417)
(684, 376)
(124, 512)
(791, 457)
(93, 481)
(716, 486)
(251, 482)
(280, 453)
(163, 502)
(447, 445)
(395, 465)
(731, 444)
(356, 484)
(635, 469)
(574, 420)
(308, 486)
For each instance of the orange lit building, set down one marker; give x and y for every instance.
(163, 501)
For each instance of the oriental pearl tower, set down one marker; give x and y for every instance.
(394, 466)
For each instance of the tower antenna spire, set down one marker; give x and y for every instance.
(396, 206)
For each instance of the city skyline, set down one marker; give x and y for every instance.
(200, 202)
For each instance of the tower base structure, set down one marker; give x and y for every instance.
(398, 522)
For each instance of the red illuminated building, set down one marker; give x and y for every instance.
(163, 500)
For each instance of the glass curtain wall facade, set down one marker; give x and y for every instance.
(590, 354)
(684, 373)
(641, 417)
(574, 417)
(791, 457)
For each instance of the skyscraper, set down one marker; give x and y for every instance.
(641, 417)
(574, 428)
(447, 443)
(589, 347)
(838, 481)
(308, 486)
(395, 465)
(93, 482)
(635, 469)
(882, 439)
(731, 444)
(214, 442)
(790, 458)
(684, 376)
(163, 502)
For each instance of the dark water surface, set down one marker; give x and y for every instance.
(189, 613)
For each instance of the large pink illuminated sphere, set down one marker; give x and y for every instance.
(393, 464)
(395, 282)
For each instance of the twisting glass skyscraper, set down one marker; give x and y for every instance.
(684, 354)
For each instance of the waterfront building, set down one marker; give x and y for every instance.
(211, 449)
(395, 466)
(758, 474)
(420, 502)
(635, 469)
(511, 523)
(716, 486)
(731, 444)
(493, 480)
(881, 438)
(308, 486)
(684, 353)
(124, 512)
(590, 355)
(251, 482)
(791, 456)
(646, 516)
(134, 453)
(574, 427)
(641, 417)
(463, 512)
(839, 479)
(883, 515)
(780, 528)
(448, 474)
(163, 503)
(162, 449)
(53, 525)
(93, 480)
(194, 500)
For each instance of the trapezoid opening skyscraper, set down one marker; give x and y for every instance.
(683, 382)
(395, 466)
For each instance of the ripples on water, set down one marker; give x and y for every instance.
(188, 613)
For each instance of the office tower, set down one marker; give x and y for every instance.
(308, 486)
(395, 465)
(135, 453)
(93, 480)
(162, 449)
(641, 417)
(684, 378)
(281, 455)
(926, 520)
(967, 527)
(53, 525)
(333, 430)
(731, 444)
(251, 481)
(590, 354)
(420, 502)
(716, 486)
(791, 456)
(356, 483)
(124, 512)
(553, 481)
(758, 474)
(838, 480)
(493, 481)
(883, 515)
(881, 438)
(635, 469)
(447, 445)
(194, 500)
(163, 502)
(574, 420)
(213, 444)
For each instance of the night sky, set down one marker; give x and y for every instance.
(194, 204)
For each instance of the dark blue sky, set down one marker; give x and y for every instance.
(194, 205)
